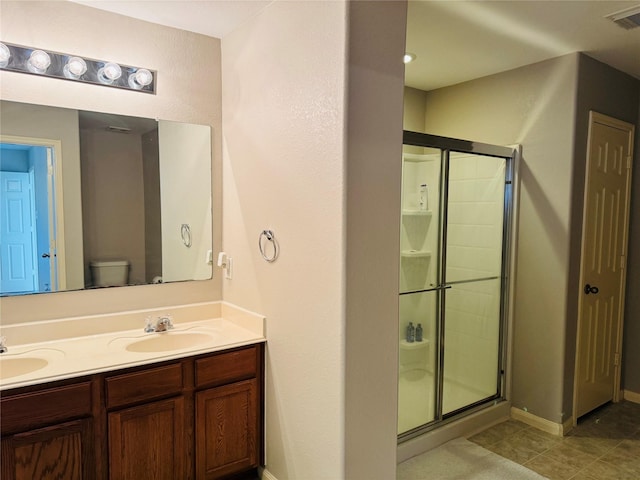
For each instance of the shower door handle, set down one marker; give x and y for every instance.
(589, 289)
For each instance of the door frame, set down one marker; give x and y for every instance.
(595, 117)
(56, 146)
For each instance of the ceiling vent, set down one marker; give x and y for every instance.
(112, 128)
(628, 18)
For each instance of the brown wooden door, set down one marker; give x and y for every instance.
(226, 430)
(147, 442)
(61, 451)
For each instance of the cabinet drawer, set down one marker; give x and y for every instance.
(227, 367)
(147, 384)
(54, 405)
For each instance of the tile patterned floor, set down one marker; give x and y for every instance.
(604, 446)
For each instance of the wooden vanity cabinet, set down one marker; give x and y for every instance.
(146, 423)
(48, 433)
(194, 418)
(228, 415)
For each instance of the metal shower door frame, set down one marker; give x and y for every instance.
(446, 146)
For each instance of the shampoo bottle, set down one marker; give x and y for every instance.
(419, 333)
(424, 197)
(411, 333)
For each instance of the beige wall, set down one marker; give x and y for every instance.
(332, 344)
(373, 164)
(630, 351)
(189, 90)
(62, 125)
(113, 200)
(533, 106)
(283, 112)
(152, 221)
(415, 103)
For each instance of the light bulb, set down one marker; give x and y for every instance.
(75, 68)
(141, 78)
(5, 55)
(409, 57)
(39, 61)
(109, 73)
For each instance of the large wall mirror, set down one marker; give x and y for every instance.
(92, 200)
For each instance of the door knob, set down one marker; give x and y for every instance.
(589, 289)
(45, 255)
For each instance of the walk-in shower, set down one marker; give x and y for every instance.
(455, 236)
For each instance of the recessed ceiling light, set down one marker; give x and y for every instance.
(409, 57)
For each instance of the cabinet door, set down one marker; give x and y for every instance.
(61, 451)
(226, 430)
(147, 442)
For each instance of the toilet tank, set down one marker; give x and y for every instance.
(109, 273)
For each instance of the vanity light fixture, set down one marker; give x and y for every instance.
(38, 62)
(5, 55)
(75, 68)
(109, 73)
(140, 78)
(21, 59)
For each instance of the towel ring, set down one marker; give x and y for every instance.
(185, 233)
(269, 237)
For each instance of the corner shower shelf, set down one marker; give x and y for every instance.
(417, 213)
(415, 254)
(415, 157)
(413, 345)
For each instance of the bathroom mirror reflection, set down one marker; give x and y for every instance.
(92, 200)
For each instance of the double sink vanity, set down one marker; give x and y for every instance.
(173, 398)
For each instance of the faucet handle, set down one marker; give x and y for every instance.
(148, 328)
(3, 346)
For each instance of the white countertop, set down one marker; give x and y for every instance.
(64, 358)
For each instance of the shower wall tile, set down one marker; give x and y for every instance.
(461, 170)
(463, 191)
(488, 214)
(490, 168)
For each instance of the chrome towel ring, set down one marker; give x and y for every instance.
(185, 233)
(266, 237)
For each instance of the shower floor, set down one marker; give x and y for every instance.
(416, 398)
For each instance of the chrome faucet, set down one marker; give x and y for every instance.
(3, 347)
(163, 323)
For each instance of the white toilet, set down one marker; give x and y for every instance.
(110, 273)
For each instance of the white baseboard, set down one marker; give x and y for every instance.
(558, 429)
(567, 425)
(632, 396)
(266, 475)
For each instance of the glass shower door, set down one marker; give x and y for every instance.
(456, 206)
(475, 206)
(419, 301)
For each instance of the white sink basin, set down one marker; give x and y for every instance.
(166, 342)
(16, 364)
